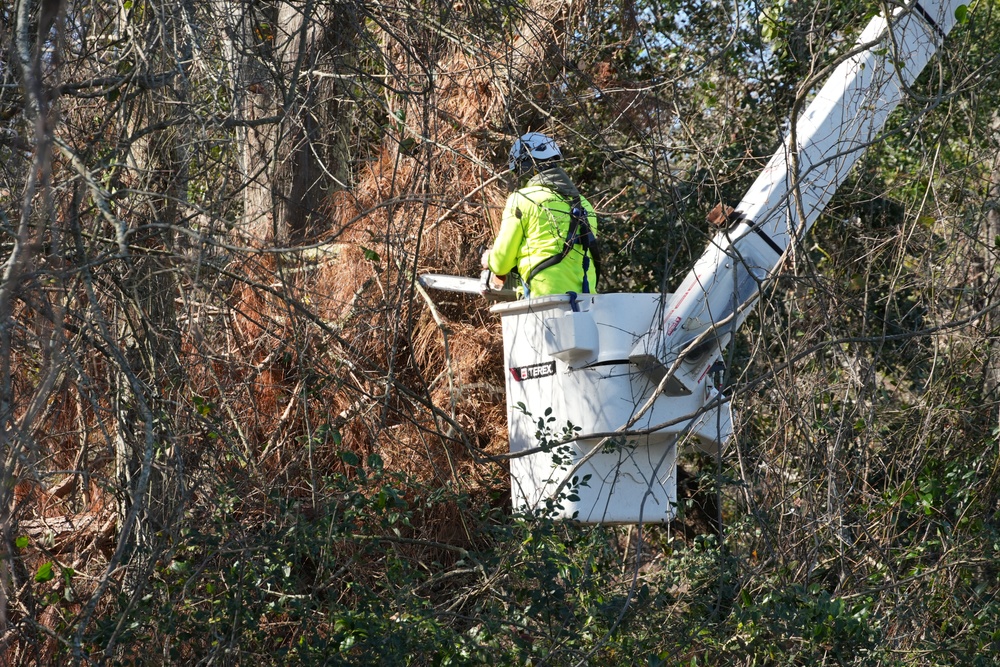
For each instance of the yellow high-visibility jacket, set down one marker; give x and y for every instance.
(535, 222)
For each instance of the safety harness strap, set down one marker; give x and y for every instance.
(579, 232)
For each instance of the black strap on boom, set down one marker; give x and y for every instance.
(579, 232)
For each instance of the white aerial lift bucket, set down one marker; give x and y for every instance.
(568, 374)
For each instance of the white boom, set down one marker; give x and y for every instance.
(845, 118)
(590, 363)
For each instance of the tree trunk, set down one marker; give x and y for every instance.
(294, 139)
(991, 281)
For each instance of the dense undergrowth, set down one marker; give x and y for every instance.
(358, 574)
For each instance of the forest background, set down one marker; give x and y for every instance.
(236, 431)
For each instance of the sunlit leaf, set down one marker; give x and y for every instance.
(44, 573)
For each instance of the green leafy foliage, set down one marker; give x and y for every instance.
(45, 572)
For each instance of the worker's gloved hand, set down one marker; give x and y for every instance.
(485, 259)
(489, 282)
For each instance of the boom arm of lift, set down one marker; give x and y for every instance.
(846, 116)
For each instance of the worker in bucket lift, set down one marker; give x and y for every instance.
(547, 232)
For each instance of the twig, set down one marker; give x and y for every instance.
(451, 211)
